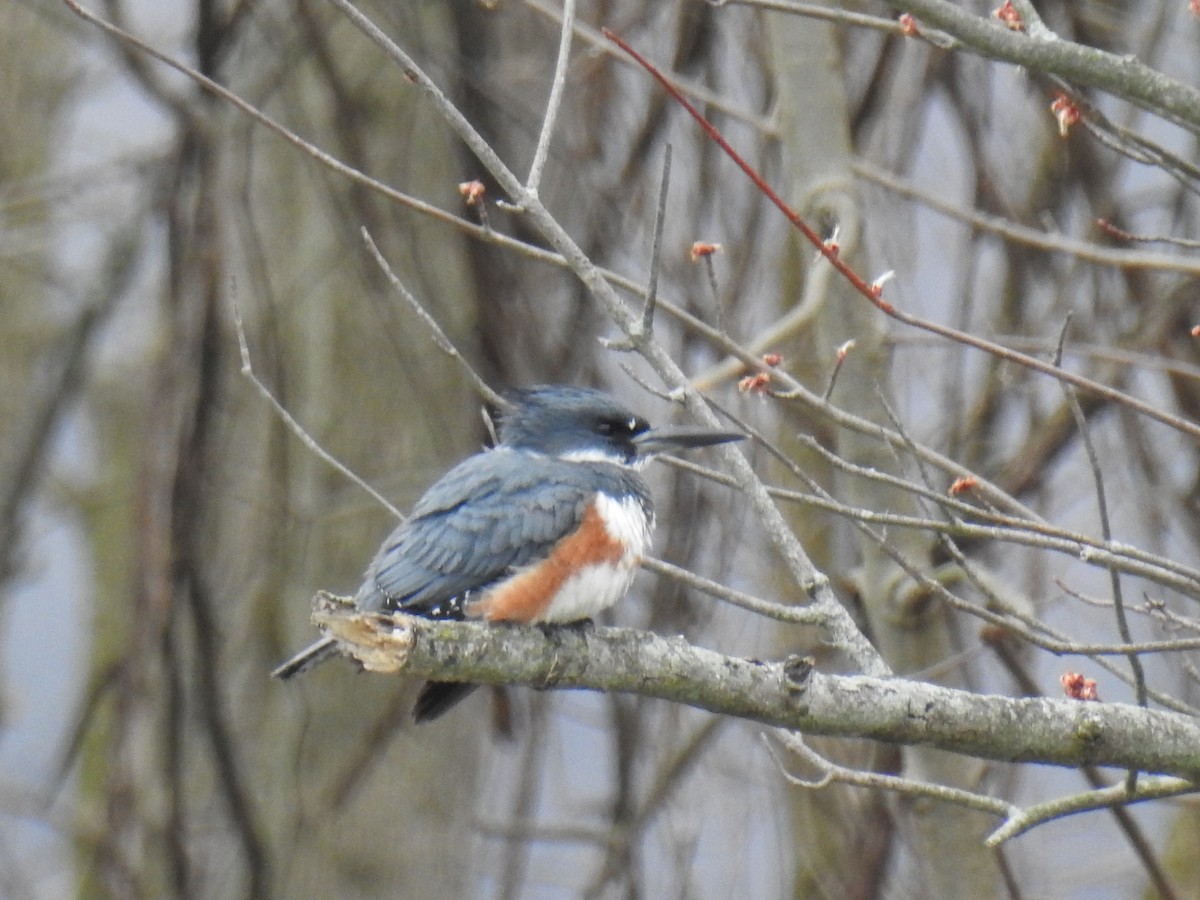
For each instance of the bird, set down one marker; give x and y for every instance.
(547, 527)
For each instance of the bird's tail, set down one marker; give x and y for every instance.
(438, 697)
(312, 655)
(435, 699)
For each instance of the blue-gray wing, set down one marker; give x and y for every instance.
(490, 514)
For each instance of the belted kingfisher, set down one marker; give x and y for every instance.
(547, 526)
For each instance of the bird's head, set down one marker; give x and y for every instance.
(588, 425)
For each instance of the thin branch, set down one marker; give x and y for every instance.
(837, 16)
(554, 103)
(1098, 352)
(794, 615)
(1124, 235)
(295, 427)
(839, 360)
(996, 527)
(1152, 788)
(598, 45)
(1135, 662)
(832, 773)
(444, 343)
(660, 218)
(710, 270)
(1026, 236)
(1133, 146)
(646, 327)
(1133, 832)
(1017, 821)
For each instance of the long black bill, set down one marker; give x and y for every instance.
(683, 437)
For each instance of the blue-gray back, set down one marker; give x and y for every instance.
(492, 513)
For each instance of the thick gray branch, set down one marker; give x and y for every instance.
(787, 694)
(1122, 76)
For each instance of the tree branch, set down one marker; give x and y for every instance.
(786, 694)
(1121, 76)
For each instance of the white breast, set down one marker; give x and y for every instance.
(598, 587)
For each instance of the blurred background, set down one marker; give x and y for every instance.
(162, 531)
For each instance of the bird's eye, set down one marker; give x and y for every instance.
(622, 427)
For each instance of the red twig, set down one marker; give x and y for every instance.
(874, 293)
(711, 130)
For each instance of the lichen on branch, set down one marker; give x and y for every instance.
(786, 693)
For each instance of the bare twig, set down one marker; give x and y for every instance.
(295, 427)
(553, 104)
(646, 328)
(710, 270)
(1003, 529)
(444, 343)
(1017, 821)
(597, 44)
(832, 773)
(844, 17)
(1135, 663)
(660, 218)
(1150, 788)
(1146, 238)
(1024, 234)
(838, 361)
(796, 615)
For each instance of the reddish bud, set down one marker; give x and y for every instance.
(844, 350)
(1072, 683)
(701, 249)
(962, 485)
(1194, 8)
(832, 245)
(908, 25)
(472, 191)
(1066, 112)
(1007, 13)
(1077, 687)
(755, 384)
(1196, 328)
(772, 359)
